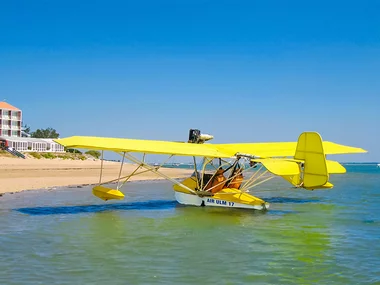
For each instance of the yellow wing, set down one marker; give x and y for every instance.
(143, 146)
(282, 149)
(271, 149)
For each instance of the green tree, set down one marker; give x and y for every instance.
(73, 150)
(26, 128)
(48, 133)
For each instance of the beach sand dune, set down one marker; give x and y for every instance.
(26, 174)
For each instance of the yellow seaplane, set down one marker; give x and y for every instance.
(227, 173)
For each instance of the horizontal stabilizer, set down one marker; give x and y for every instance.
(285, 166)
(105, 193)
(327, 185)
(334, 167)
(281, 167)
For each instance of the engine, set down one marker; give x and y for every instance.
(195, 136)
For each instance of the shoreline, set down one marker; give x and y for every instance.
(18, 175)
(80, 186)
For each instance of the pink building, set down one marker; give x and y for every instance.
(10, 120)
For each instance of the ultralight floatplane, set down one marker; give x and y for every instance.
(224, 178)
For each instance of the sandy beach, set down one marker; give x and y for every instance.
(26, 174)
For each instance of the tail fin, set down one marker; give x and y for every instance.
(310, 150)
(309, 168)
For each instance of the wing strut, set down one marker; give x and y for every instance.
(121, 169)
(196, 172)
(101, 167)
(153, 169)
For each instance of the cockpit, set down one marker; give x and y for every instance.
(214, 174)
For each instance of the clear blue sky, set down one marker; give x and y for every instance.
(244, 71)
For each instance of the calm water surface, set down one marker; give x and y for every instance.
(67, 236)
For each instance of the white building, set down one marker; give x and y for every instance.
(10, 120)
(33, 144)
(11, 134)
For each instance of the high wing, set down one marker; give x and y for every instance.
(143, 146)
(270, 149)
(281, 149)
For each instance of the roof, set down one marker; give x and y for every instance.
(5, 105)
(21, 139)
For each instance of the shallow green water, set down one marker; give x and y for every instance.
(67, 236)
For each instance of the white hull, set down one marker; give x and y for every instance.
(188, 199)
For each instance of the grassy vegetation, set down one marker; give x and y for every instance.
(93, 153)
(4, 153)
(48, 155)
(71, 155)
(35, 155)
(65, 156)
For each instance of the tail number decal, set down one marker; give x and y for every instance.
(220, 202)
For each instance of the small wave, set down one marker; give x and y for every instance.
(291, 200)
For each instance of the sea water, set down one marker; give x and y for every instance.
(67, 236)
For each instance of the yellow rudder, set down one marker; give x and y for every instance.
(310, 150)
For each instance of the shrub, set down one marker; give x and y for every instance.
(66, 156)
(35, 155)
(48, 155)
(5, 153)
(93, 153)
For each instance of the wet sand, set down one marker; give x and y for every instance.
(26, 174)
